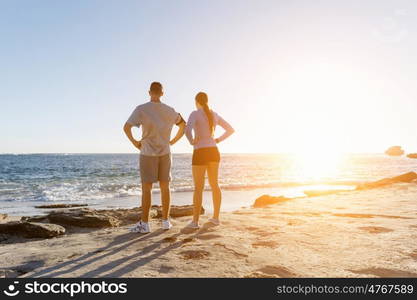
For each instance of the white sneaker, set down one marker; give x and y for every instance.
(193, 225)
(214, 221)
(140, 227)
(166, 224)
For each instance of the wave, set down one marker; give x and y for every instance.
(99, 191)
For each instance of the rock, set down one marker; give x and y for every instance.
(3, 237)
(195, 254)
(9, 273)
(83, 218)
(394, 151)
(35, 219)
(61, 205)
(412, 155)
(406, 177)
(3, 217)
(179, 211)
(266, 200)
(314, 193)
(129, 215)
(86, 217)
(32, 229)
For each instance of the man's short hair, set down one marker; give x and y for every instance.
(156, 87)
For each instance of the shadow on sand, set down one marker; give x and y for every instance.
(129, 263)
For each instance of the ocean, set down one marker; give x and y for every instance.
(112, 180)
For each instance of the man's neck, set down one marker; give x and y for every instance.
(155, 99)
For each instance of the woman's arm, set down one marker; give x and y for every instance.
(189, 129)
(227, 127)
(180, 133)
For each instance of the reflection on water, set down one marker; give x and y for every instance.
(310, 167)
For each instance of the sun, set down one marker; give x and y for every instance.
(317, 162)
(317, 165)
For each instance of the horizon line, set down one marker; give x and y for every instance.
(72, 153)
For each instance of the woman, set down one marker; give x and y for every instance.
(206, 156)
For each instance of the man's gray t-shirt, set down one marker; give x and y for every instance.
(157, 120)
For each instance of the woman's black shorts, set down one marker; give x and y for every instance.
(203, 156)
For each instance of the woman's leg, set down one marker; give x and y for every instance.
(199, 173)
(213, 171)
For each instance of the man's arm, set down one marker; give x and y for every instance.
(128, 131)
(180, 133)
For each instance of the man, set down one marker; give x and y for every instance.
(157, 120)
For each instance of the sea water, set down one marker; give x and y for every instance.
(112, 180)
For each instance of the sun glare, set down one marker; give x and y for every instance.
(317, 158)
(316, 165)
(318, 133)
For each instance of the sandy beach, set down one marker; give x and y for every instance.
(365, 233)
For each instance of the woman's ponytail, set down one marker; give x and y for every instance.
(202, 99)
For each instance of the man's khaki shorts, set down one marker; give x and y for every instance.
(155, 168)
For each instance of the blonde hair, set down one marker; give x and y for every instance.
(202, 99)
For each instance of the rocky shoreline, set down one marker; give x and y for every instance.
(58, 221)
(338, 234)
(64, 217)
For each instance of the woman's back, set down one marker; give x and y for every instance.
(203, 137)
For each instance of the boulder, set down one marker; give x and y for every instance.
(266, 200)
(32, 229)
(132, 215)
(179, 211)
(41, 219)
(394, 151)
(86, 217)
(83, 218)
(406, 177)
(314, 193)
(129, 215)
(412, 155)
(61, 205)
(3, 237)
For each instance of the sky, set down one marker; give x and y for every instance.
(287, 75)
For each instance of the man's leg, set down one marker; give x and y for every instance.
(146, 201)
(148, 174)
(164, 177)
(165, 199)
